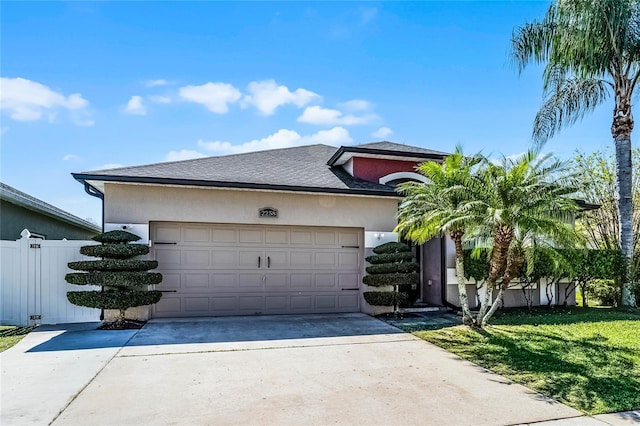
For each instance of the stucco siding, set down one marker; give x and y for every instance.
(147, 203)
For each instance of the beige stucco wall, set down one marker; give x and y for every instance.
(126, 203)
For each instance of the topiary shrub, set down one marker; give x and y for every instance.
(123, 279)
(391, 265)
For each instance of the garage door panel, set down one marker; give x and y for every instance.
(277, 237)
(224, 236)
(214, 269)
(196, 304)
(168, 257)
(223, 259)
(251, 236)
(224, 281)
(250, 280)
(300, 238)
(302, 281)
(169, 305)
(196, 258)
(196, 281)
(326, 238)
(251, 259)
(168, 233)
(199, 234)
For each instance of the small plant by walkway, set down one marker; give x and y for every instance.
(588, 358)
(10, 335)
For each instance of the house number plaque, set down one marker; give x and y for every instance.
(268, 212)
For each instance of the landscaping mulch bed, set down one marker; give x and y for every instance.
(123, 325)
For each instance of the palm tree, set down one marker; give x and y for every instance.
(442, 205)
(526, 205)
(591, 52)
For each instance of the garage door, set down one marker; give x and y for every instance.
(218, 269)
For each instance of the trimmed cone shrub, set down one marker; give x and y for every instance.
(391, 265)
(123, 279)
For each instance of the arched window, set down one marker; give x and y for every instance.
(396, 178)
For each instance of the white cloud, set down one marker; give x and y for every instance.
(267, 96)
(367, 14)
(109, 166)
(326, 116)
(27, 100)
(214, 96)
(382, 132)
(135, 106)
(356, 105)
(283, 138)
(160, 99)
(156, 83)
(183, 154)
(70, 157)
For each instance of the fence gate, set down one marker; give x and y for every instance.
(33, 287)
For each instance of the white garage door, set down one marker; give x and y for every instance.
(219, 269)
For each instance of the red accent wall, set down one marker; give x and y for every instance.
(372, 169)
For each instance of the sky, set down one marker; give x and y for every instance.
(94, 85)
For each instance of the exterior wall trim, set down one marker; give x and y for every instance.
(402, 175)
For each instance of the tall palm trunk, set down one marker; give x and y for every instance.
(621, 131)
(462, 287)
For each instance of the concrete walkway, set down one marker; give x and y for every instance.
(307, 369)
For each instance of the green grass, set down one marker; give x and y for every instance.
(10, 335)
(586, 358)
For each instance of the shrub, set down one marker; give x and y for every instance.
(607, 292)
(122, 279)
(115, 251)
(392, 265)
(384, 298)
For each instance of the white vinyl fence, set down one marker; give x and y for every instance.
(32, 282)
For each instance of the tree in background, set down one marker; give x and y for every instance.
(123, 279)
(391, 265)
(591, 52)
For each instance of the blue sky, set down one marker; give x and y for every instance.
(101, 84)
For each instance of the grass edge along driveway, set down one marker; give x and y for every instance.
(10, 335)
(587, 358)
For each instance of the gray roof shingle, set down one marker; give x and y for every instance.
(302, 168)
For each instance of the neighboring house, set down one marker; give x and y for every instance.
(19, 211)
(274, 232)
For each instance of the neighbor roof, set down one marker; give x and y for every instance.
(302, 168)
(19, 198)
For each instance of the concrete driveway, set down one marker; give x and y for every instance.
(306, 369)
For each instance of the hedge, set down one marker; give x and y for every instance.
(113, 299)
(381, 280)
(389, 268)
(115, 251)
(111, 279)
(113, 265)
(116, 237)
(391, 248)
(384, 298)
(390, 258)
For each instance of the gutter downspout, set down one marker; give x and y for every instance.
(95, 193)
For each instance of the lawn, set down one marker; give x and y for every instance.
(10, 335)
(586, 358)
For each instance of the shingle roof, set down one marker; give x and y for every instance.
(300, 168)
(392, 146)
(14, 196)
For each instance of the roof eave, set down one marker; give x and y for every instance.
(83, 178)
(352, 149)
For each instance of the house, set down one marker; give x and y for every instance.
(274, 232)
(20, 211)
